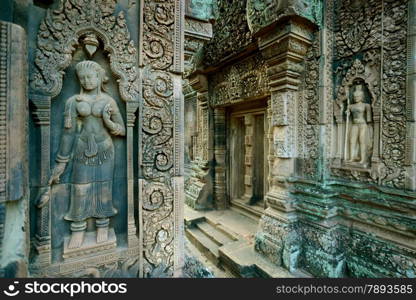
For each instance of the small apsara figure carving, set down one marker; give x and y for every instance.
(359, 135)
(91, 118)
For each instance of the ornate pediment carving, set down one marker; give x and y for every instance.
(73, 23)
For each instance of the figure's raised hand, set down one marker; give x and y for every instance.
(56, 173)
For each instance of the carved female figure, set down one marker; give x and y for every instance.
(359, 136)
(91, 118)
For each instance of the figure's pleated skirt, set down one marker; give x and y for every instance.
(92, 189)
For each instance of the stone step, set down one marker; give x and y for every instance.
(204, 244)
(242, 261)
(223, 229)
(216, 235)
(192, 217)
(251, 212)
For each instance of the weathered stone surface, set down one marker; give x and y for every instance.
(106, 185)
(336, 81)
(162, 141)
(14, 193)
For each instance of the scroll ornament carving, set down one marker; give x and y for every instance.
(157, 44)
(157, 138)
(308, 111)
(74, 21)
(394, 91)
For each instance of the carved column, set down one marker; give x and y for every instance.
(199, 193)
(248, 158)
(161, 148)
(41, 115)
(284, 48)
(220, 195)
(14, 193)
(132, 109)
(410, 160)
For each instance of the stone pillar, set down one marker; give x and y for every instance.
(284, 47)
(199, 188)
(248, 158)
(14, 193)
(161, 149)
(411, 101)
(220, 189)
(42, 243)
(132, 110)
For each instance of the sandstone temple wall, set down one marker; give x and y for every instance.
(336, 81)
(91, 130)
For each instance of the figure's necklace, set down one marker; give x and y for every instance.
(87, 98)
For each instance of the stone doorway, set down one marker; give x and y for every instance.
(247, 165)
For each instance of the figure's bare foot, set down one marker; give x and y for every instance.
(77, 237)
(102, 234)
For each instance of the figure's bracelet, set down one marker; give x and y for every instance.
(62, 159)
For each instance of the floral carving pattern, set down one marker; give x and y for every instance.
(309, 112)
(365, 32)
(231, 32)
(159, 51)
(241, 81)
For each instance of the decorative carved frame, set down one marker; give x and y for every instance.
(358, 71)
(59, 34)
(161, 138)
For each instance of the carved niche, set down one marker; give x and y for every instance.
(370, 46)
(85, 40)
(357, 115)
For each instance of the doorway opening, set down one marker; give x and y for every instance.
(247, 161)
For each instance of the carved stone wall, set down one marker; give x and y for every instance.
(161, 160)
(360, 55)
(137, 152)
(14, 192)
(340, 77)
(90, 33)
(231, 30)
(198, 113)
(345, 206)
